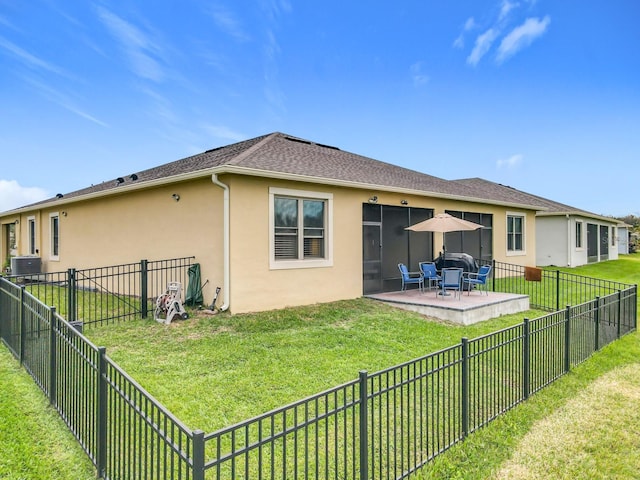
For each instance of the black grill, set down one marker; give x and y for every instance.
(457, 260)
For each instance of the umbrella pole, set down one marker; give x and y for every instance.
(444, 293)
(444, 249)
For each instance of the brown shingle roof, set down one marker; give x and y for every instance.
(510, 194)
(279, 154)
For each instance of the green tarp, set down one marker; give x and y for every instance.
(194, 290)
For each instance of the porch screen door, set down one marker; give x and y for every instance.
(371, 258)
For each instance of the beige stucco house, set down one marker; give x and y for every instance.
(275, 221)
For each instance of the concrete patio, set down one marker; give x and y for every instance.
(471, 307)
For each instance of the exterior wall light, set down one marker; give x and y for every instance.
(176, 197)
(404, 202)
(373, 199)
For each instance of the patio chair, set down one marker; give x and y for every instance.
(409, 278)
(478, 280)
(430, 274)
(451, 280)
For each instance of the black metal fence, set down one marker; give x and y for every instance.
(125, 432)
(104, 294)
(384, 425)
(549, 289)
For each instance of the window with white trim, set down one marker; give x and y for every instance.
(54, 234)
(613, 236)
(579, 234)
(300, 224)
(31, 222)
(515, 233)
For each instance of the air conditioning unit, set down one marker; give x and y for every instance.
(25, 265)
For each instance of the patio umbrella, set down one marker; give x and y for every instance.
(443, 222)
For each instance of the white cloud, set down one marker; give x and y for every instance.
(138, 46)
(29, 59)
(13, 195)
(228, 23)
(506, 7)
(220, 131)
(482, 46)
(510, 162)
(63, 100)
(418, 76)
(522, 36)
(470, 24)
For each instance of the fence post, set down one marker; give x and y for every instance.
(198, 455)
(101, 461)
(597, 325)
(557, 290)
(634, 307)
(53, 355)
(526, 359)
(144, 287)
(465, 387)
(364, 431)
(619, 326)
(493, 275)
(71, 295)
(22, 327)
(567, 339)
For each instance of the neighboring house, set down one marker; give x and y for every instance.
(624, 238)
(565, 236)
(275, 221)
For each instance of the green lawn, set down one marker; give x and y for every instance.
(34, 442)
(626, 269)
(212, 371)
(584, 426)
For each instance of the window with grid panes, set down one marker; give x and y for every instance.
(515, 233)
(299, 228)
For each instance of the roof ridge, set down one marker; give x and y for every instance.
(238, 159)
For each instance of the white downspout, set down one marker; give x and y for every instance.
(569, 242)
(225, 248)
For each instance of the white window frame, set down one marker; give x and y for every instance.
(32, 240)
(515, 253)
(301, 263)
(582, 230)
(52, 256)
(613, 235)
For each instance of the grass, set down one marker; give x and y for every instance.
(584, 426)
(626, 269)
(212, 371)
(34, 442)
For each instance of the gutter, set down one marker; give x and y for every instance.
(225, 205)
(252, 172)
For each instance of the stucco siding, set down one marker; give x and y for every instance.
(145, 224)
(255, 285)
(552, 241)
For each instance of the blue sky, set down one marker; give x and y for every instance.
(541, 95)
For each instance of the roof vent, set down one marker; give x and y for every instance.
(299, 140)
(133, 176)
(59, 195)
(327, 146)
(119, 180)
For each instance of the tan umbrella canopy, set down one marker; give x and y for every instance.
(443, 222)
